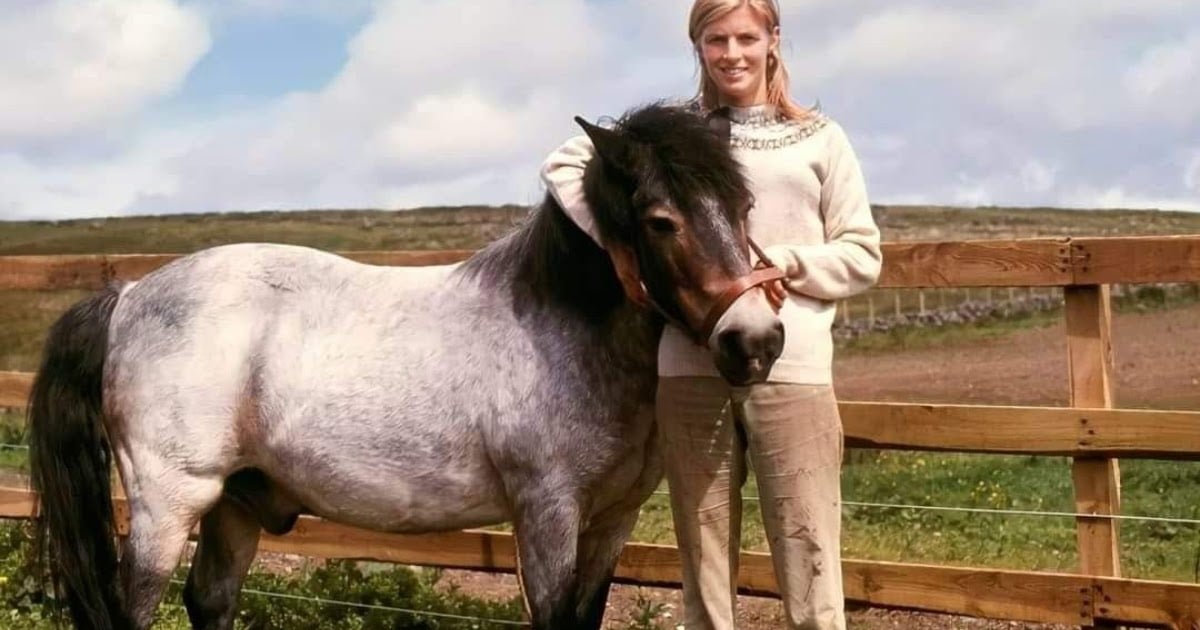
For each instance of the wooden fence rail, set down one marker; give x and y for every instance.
(991, 593)
(1072, 432)
(1089, 430)
(1000, 263)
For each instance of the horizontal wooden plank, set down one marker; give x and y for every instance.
(92, 271)
(14, 388)
(1126, 433)
(997, 263)
(1029, 262)
(1145, 602)
(989, 593)
(1137, 259)
(473, 549)
(1078, 432)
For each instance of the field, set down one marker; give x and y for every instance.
(990, 362)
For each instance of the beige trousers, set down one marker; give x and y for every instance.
(793, 435)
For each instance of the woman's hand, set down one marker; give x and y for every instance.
(775, 291)
(625, 264)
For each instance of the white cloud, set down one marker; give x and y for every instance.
(1118, 197)
(500, 47)
(90, 188)
(1037, 177)
(72, 66)
(1191, 174)
(328, 8)
(457, 101)
(1057, 61)
(440, 96)
(459, 132)
(1166, 79)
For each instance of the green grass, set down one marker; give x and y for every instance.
(430, 228)
(25, 316)
(471, 227)
(25, 606)
(13, 458)
(1150, 550)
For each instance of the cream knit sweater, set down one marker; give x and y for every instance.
(811, 216)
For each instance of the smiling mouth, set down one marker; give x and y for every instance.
(734, 73)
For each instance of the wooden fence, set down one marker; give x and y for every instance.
(1090, 431)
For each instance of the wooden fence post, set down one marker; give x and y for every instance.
(1097, 480)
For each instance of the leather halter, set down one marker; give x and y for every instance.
(760, 276)
(768, 272)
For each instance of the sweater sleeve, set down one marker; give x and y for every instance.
(849, 260)
(562, 173)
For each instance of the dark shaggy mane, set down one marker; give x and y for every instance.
(678, 156)
(674, 156)
(553, 260)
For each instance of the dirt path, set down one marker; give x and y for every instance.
(1157, 359)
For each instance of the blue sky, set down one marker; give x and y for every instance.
(118, 107)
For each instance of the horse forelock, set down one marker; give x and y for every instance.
(678, 159)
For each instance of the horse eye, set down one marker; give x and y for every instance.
(662, 225)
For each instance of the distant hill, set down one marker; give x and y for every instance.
(472, 226)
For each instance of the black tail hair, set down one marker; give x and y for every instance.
(69, 460)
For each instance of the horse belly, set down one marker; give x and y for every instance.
(387, 496)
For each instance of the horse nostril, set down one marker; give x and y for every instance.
(775, 340)
(729, 343)
(746, 356)
(759, 347)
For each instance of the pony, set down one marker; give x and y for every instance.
(244, 385)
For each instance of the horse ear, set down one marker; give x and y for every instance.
(718, 121)
(613, 148)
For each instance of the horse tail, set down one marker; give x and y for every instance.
(69, 461)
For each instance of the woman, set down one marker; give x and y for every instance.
(812, 217)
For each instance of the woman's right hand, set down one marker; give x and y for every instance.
(625, 264)
(775, 291)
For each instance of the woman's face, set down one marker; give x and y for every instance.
(734, 49)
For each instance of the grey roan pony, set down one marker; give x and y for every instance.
(244, 385)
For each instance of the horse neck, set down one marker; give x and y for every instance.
(549, 261)
(553, 268)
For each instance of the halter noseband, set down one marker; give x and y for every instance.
(768, 272)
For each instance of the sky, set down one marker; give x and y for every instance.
(123, 107)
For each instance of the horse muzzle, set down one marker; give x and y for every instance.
(744, 354)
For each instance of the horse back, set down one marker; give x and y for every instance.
(219, 333)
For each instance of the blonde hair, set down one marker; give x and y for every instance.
(704, 13)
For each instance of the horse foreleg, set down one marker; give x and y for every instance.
(228, 540)
(547, 529)
(599, 549)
